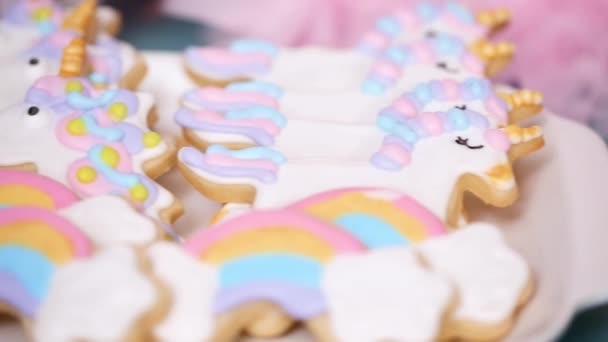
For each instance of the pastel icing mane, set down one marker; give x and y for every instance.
(45, 15)
(388, 68)
(52, 45)
(407, 124)
(33, 243)
(257, 162)
(29, 189)
(242, 57)
(248, 109)
(102, 126)
(106, 63)
(292, 245)
(388, 29)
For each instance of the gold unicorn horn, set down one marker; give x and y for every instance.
(524, 140)
(496, 57)
(80, 18)
(495, 20)
(523, 104)
(73, 59)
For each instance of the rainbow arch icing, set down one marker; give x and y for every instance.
(33, 242)
(280, 255)
(376, 217)
(18, 188)
(284, 265)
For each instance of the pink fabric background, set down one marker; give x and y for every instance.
(562, 45)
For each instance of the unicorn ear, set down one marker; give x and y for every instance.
(81, 18)
(495, 56)
(495, 20)
(524, 140)
(523, 104)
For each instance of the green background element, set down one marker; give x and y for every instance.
(164, 33)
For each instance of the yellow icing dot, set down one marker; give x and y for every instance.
(139, 192)
(151, 139)
(110, 156)
(86, 174)
(77, 127)
(118, 111)
(73, 86)
(42, 14)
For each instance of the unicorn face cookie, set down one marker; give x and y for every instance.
(322, 69)
(442, 134)
(96, 142)
(112, 63)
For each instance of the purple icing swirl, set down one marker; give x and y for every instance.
(14, 294)
(185, 118)
(196, 159)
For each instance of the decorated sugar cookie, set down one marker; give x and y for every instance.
(321, 69)
(34, 242)
(318, 261)
(442, 134)
(96, 142)
(29, 189)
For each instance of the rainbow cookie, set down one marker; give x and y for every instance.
(96, 142)
(317, 261)
(34, 242)
(322, 69)
(442, 135)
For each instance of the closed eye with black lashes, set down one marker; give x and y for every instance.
(465, 142)
(445, 67)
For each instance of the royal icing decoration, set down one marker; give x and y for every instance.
(432, 134)
(34, 242)
(354, 255)
(29, 189)
(84, 295)
(95, 142)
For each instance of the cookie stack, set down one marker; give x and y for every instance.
(342, 174)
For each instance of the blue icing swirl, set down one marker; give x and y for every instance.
(257, 86)
(372, 87)
(389, 26)
(256, 152)
(251, 45)
(106, 133)
(426, 11)
(461, 12)
(83, 102)
(125, 180)
(393, 126)
(257, 112)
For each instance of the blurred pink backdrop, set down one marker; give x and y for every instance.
(562, 45)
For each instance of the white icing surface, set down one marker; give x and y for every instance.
(384, 295)
(110, 220)
(488, 275)
(192, 285)
(97, 299)
(320, 155)
(16, 39)
(318, 69)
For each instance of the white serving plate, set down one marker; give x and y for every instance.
(559, 224)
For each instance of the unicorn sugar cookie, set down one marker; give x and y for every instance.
(315, 68)
(443, 134)
(95, 142)
(224, 114)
